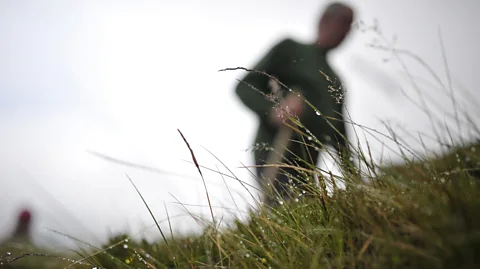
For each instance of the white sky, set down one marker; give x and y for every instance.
(119, 77)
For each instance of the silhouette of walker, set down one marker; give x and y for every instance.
(305, 69)
(21, 235)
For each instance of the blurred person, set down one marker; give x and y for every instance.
(21, 234)
(305, 69)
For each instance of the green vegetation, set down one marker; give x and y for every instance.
(414, 216)
(411, 216)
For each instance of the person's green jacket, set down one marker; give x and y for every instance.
(300, 67)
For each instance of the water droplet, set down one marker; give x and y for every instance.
(125, 246)
(247, 255)
(9, 254)
(318, 113)
(280, 202)
(310, 138)
(296, 200)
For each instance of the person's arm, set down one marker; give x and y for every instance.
(270, 64)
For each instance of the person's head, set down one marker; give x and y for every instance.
(334, 25)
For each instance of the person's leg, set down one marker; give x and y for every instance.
(288, 179)
(272, 194)
(260, 156)
(302, 157)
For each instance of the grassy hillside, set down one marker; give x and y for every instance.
(416, 215)
(419, 215)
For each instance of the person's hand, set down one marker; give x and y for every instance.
(292, 105)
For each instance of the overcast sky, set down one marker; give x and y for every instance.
(119, 78)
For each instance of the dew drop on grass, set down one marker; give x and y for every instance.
(125, 246)
(318, 113)
(9, 254)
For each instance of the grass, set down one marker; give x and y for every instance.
(420, 213)
(411, 216)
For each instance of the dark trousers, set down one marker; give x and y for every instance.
(290, 183)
